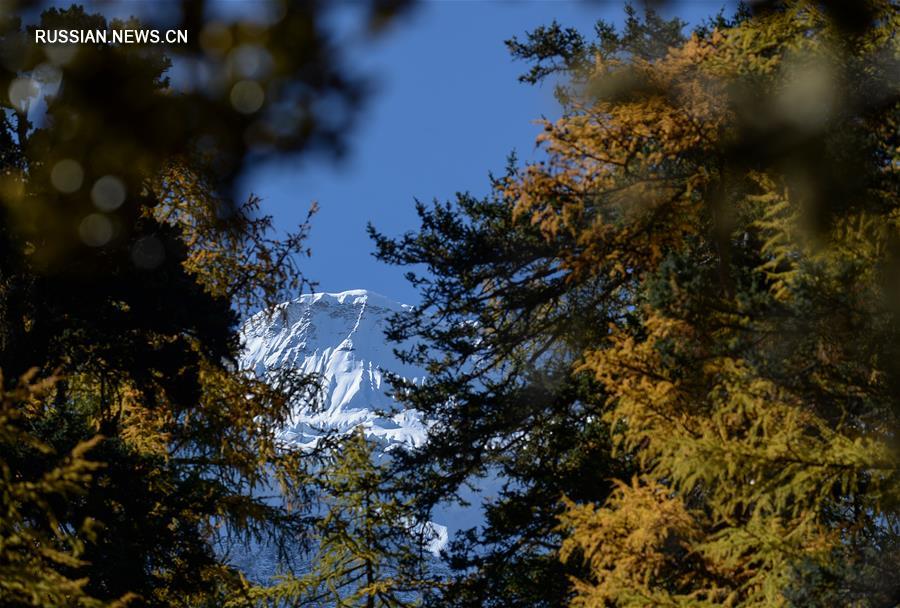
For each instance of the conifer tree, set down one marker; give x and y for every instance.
(723, 212)
(505, 329)
(34, 552)
(371, 544)
(126, 264)
(502, 395)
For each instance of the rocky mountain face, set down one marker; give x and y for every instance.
(340, 337)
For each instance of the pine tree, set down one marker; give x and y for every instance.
(371, 544)
(34, 551)
(742, 188)
(710, 244)
(501, 393)
(126, 265)
(503, 329)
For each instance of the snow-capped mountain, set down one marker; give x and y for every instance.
(340, 337)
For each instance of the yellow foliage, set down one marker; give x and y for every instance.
(752, 380)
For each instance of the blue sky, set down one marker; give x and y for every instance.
(447, 109)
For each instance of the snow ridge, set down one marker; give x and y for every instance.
(339, 337)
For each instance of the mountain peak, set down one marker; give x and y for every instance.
(350, 297)
(340, 337)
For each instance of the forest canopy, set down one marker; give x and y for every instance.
(131, 443)
(676, 336)
(673, 339)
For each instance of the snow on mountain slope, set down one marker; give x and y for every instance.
(340, 337)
